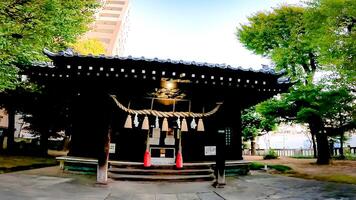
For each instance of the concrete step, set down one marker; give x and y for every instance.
(115, 170)
(161, 177)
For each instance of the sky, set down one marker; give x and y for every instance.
(194, 30)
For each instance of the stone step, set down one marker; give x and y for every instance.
(173, 167)
(161, 177)
(161, 171)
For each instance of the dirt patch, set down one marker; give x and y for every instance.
(343, 171)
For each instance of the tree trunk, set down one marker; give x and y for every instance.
(44, 142)
(316, 128)
(253, 147)
(1, 142)
(342, 156)
(314, 146)
(10, 132)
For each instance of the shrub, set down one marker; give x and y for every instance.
(256, 166)
(272, 154)
(280, 168)
(259, 166)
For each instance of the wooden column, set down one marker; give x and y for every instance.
(103, 160)
(237, 134)
(232, 119)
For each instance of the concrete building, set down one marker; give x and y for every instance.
(111, 25)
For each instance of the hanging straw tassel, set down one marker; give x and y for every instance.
(128, 122)
(145, 124)
(184, 127)
(165, 125)
(200, 125)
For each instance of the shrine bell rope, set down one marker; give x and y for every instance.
(157, 113)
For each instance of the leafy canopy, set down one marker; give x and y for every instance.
(253, 123)
(280, 35)
(332, 28)
(89, 46)
(302, 40)
(27, 26)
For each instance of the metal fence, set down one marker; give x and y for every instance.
(297, 152)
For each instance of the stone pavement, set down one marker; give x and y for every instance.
(22, 185)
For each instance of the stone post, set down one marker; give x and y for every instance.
(220, 160)
(103, 161)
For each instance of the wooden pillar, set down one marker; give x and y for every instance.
(232, 119)
(237, 134)
(103, 160)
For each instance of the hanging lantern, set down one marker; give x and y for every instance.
(200, 125)
(184, 125)
(157, 122)
(193, 124)
(128, 122)
(145, 124)
(165, 125)
(136, 122)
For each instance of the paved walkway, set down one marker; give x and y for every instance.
(24, 185)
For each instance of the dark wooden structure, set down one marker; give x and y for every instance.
(82, 84)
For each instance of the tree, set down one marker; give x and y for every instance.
(89, 46)
(339, 113)
(326, 111)
(332, 24)
(299, 39)
(28, 26)
(280, 35)
(254, 124)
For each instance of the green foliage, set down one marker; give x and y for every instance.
(272, 154)
(256, 166)
(347, 156)
(280, 35)
(327, 110)
(302, 157)
(253, 123)
(259, 166)
(302, 39)
(280, 168)
(332, 29)
(26, 27)
(89, 46)
(334, 105)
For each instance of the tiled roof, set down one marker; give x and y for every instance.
(70, 53)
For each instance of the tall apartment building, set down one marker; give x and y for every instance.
(111, 25)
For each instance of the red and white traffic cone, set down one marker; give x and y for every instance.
(147, 156)
(147, 159)
(179, 160)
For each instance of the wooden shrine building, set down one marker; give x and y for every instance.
(129, 97)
